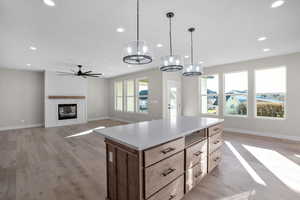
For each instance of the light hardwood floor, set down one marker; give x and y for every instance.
(68, 163)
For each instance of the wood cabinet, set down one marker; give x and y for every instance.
(163, 172)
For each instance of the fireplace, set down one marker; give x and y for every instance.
(67, 111)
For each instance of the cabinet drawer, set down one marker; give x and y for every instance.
(215, 129)
(214, 159)
(174, 191)
(196, 153)
(215, 142)
(195, 175)
(161, 174)
(156, 154)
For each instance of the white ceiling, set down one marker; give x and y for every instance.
(84, 31)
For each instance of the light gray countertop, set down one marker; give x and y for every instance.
(144, 135)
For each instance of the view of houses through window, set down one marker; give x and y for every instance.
(236, 93)
(142, 95)
(270, 92)
(210, 94)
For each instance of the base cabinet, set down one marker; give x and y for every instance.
(164, 172)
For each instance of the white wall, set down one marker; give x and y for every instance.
(288, 128)
(155, 97)
(21, 99)
(97, 100)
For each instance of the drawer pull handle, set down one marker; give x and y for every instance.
(216, 142)
(167, 150)
(216, 159)
(198, 153)
(172, 196)
(168, 171)
(199, 174)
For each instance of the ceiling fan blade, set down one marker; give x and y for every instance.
(70, 73)
(88, 72)
(98, 74)
(93, 76)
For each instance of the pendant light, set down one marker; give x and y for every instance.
(192, 69)
(172, 62)
(137, 52)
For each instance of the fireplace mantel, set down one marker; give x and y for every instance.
(66, 97)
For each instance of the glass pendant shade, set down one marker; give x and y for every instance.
(192, 69)
(171, 63)
(137, 53)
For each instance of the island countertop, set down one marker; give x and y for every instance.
(144, 135)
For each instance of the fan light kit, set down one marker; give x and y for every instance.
(192, 69)
(172, 62)
(137, 52)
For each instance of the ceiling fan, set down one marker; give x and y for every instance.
(80, 73)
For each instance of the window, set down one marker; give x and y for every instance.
(210, 94)
(130, 96)
(270, 92)
(119, 96)
(142, 95)
(236, 94)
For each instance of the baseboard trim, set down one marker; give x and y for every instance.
(6, 128)
(98, 118)
(277, 136)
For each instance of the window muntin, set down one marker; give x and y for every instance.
(130, 97)
(142, 95)
(119, 96)
(270, 92)
(236, 94)
(210, 94)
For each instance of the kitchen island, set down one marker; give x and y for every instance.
(160, 159)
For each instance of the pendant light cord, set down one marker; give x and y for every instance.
(138, 21)
(192, 49)
(170, 35)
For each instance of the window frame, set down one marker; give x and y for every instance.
(224, 95)
(126, 95)
(285, 100)
(116, 96)
(137, 110)
(218, 95)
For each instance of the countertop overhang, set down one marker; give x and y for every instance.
(144, 135)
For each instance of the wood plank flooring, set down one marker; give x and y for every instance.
(68, 163)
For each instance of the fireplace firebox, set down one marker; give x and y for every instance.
(67, 111)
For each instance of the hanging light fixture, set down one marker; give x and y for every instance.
(137, 52)
(192, 69)
(172, 62)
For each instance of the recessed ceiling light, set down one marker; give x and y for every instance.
(28, 65)
(266, 49)
(32, 48)
(186, 56)
(263, 38)
(277, 4)
(159, 45)
(120, 30)
(50, 3)
(201, 62)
